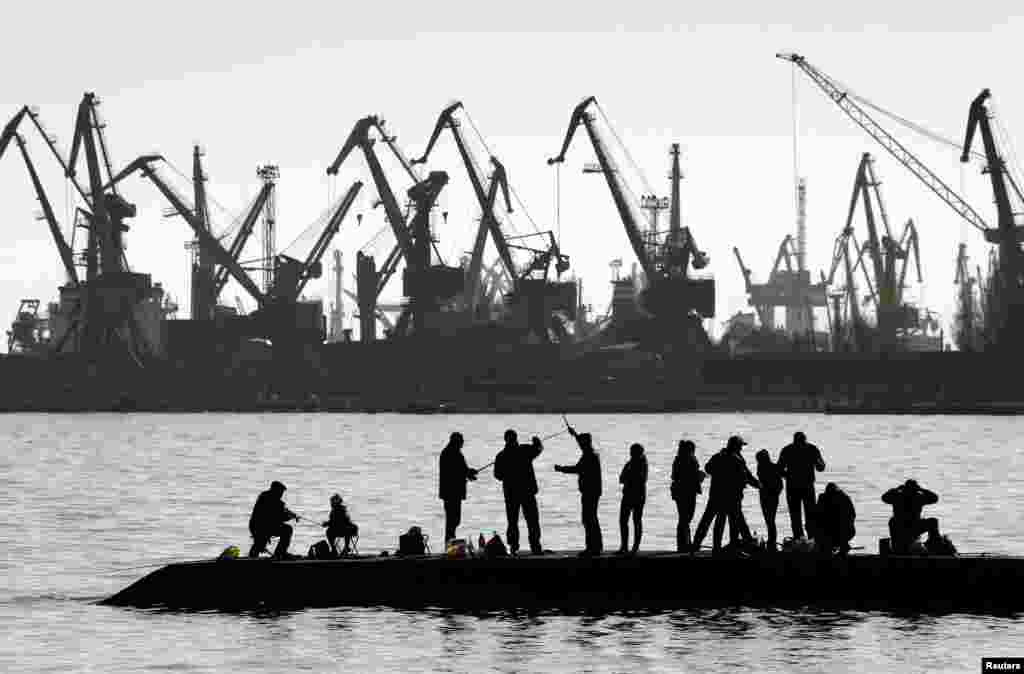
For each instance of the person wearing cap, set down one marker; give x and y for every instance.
(588, 470)
(906, 523)
(798, 461)
(686, 480)
(268, 519)
(452, 490)
(634, 495)
(513, 467)
(729, 475)
(340, 525)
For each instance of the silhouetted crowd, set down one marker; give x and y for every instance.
(823, 523)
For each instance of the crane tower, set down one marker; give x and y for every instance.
(269, 173)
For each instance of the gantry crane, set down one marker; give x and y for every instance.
(1008, 325)
(968, 328)
(426, 285)
(790, 288)
(531, 288)
(665, 257)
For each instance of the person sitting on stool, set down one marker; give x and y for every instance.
(340, 525)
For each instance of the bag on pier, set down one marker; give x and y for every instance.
(413, 542)
(321, 550)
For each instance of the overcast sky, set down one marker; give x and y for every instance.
(283, 83)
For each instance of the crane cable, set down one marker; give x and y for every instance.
(625, 150)
(235, 217)
(511, 188)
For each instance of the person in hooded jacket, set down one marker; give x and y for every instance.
(268, 519)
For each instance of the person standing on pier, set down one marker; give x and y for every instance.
(686, 479)
(268, 519)
(634, 494)
(770, 477)
(588, 470)
(452, 490)
(513, 467)
(729, 475)
(798, 462)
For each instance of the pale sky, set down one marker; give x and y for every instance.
(283, 83)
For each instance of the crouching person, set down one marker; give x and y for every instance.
(835, 516)
(268, 520)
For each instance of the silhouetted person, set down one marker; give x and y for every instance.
(268, 518)
(741, 476)
(798, 461)
(834, 520)
(634, 494)
(340, 525)
(452, 490)
(770, 477)
(729, 475)
(686, 479)
(588, 470)
(513, 466)
(906, 523)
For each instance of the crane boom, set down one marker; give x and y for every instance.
(486, 199)
(144, 165)
(221, 275)
(66, 254)
(612, 176)
(318, 250)
(885, 139)
(360, 138)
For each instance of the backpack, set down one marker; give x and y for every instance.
(320, 550)
(495, 547)
(413, 542)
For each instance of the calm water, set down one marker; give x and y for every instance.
(89, 499)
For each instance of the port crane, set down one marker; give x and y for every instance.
(968, 333)
(790, 288)
(530, 285)
(669, 292)
(1007, 325)
(426, 285)
(889, 256)
(276, 312)
(98, 312)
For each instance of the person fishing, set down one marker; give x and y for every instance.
(906, 523)
(798, 461)
(513, 467)
(686, 480)
(634, 494)
(340, 525)
(454, 472)
(268, 520)
(770, 477)
(834, 521)
(588, 470)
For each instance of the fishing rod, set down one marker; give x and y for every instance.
(542, 438)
